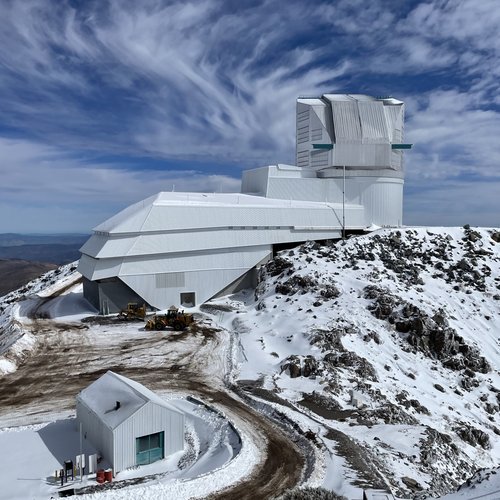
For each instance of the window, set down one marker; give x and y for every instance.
(188, 299)
(150, 448)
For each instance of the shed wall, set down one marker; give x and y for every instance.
(149, 419)
(95, 431)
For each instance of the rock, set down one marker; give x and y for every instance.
(309, 366)
(430, 335)
(299, 366)
(411, 483)
(371, 335)
(439, 388)
(473, 436)
(292, 365)
(295, 284)
(330, 292)
(349, 359)
(278, 265)
(495, 236)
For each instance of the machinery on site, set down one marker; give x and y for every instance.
(134, 311)
(178, 320)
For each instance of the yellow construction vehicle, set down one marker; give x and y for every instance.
(133, 312)
(178, 320)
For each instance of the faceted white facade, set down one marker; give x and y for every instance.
(184, 248)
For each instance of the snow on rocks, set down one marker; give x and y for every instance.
(16, 338)
(406, 318)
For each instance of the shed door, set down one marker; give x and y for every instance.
(150, 448)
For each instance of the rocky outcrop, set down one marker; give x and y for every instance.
(430, 335)
(300, 366)
(276, 266)
(347, 359)
(473, 436)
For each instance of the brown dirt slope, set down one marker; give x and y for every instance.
(15, 273)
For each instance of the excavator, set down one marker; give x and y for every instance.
(178, 320)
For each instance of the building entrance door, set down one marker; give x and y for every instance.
(150, 448)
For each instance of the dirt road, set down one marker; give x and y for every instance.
(68, 357)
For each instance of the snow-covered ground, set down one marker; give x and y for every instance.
(381, 352)
(410, 321)
(211, 446)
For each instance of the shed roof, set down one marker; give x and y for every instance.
(102, 395)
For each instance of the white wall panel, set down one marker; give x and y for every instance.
(373, 122)
(149, 419)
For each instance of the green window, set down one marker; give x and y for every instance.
(150, 448)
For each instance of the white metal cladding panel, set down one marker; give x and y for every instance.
(346, 124)
(86, 266)
(373, 122)
(200, 216)
(108, 245)
(95, 431)
(94, 244)
(204, 281)
(227, 258)
(303, 158)
(382, 198)
(395, 116)
(318, 124)
(319, 158)
(397, 159)
(255, 181)
(238, 236)
(106, 268)
(319, 190)
(149, 419)
(130, 219)
(365, 155)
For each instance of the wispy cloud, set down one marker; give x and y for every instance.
(208, 81)
(44, 189)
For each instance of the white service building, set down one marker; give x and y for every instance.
(185, 248)
(129, 424)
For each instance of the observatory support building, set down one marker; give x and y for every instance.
(185, 248)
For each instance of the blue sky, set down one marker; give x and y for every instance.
(104, 103)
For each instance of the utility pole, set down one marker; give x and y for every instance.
(81, 454)
(343, 204)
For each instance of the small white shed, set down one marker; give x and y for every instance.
(129, 424)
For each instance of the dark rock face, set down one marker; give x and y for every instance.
(331, 340)
(430, 335)
(388, 413)
(473, 436)
(402, 398)
(495, 236)
(411, 483)
(296, 284)
(351, 360)
(276, 266)
(300, 366)
(304, 284)
(330, 292)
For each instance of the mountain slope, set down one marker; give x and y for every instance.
(14, 273)
(391, 338)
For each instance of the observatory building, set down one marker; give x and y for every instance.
(185, 248)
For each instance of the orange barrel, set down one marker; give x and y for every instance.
(108, 475)
(100, 476)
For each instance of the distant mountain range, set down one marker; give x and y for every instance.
(24, 257)
(51, 248)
